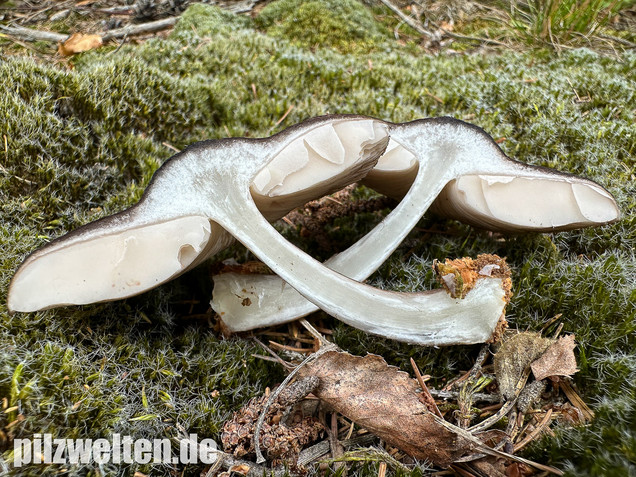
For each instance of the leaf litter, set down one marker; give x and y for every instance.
(349, 408)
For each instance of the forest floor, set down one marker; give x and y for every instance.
(83, 132)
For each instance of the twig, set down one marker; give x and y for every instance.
(314, 332)
(122, 43)
(506, 408)
(273, 396)
(619, 40)
(576, 400)
(375, 454)
(382, 469)
(489, 450)
(289, 110)
(227, 461)
(149, 27)
(29, 34)
(337, 450)
(429, 399)
(456, 36)
(167, 144)
(118, 10)
(316, 451)
(5, 171)
(472, 372)
(410, 21)
(283, 347)
(275, 357)
(550, 322)
(537, 430)
(478, 397)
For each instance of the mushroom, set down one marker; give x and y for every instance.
(204, 190)
(476, 183)
(173, 228)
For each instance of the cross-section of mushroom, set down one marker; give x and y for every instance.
(214, 190)
(422, 164)
(172, 229)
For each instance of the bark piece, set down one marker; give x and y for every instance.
(385, 401)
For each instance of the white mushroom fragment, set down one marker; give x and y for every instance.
(423, 156)
(513, 204)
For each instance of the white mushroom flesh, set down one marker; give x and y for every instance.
(135, 259)
(535, 198)
(531, 203)
(441, 319)
(317, 163)
(169, 231)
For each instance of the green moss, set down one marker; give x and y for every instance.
(206, 20)
(346, 26)
(84, 142)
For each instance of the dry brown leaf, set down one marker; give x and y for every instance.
(515, 354)
(558, 359)
(79, 42)
(385, 401)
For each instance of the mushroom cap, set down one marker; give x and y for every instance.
(168, 231)
(518, 198)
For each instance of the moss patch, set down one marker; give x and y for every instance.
(345, 25)
(84, 142)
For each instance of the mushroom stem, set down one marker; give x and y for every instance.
(444, 152)
(430, 318)
(277, 302)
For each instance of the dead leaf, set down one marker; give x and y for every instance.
(79, 42)
(515, 354)
(242, 469)
(490, 466)
(558, 359)
(385, 401)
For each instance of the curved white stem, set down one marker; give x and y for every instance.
(273, 301)
(423, 318)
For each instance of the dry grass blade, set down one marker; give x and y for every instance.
(576, 400)
(429, 401)
(545, 422)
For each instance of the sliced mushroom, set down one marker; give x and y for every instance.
(514, 204)
(207, 182)
(421, 158)
(171, 230)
